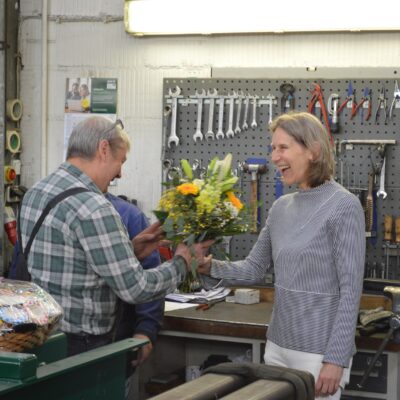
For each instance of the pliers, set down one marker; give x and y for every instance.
(396, 99)
(381, 104)
(317, 96)
(350, 97)
(366, 97)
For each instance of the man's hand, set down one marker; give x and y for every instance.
(147, 241)
(197, 251)
(143, 352)
(328, 380)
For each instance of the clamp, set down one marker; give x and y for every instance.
(396, 99)
(381, 104)
(350, 97)
(317, 96)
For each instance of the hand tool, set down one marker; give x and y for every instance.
(172, 136)
(220, 132)
(333, 102)
(212, 95)
(369, 203)
(270, 101)
(349, 97)
(239, 113)
(387, 237)
(369, 108)
(254, 121)
(381, 192)
(230, 133)
(396, 99)
(317, 96)
(246, 113)
(287, 99)
(200, 95)
(166, 114)
(255, 166)
(366, 98)
(382, 104)
(166, 165)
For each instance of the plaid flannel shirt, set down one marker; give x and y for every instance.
(83, 257)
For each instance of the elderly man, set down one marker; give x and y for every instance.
(82, 254)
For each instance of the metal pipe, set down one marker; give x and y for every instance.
(44, 161)
(365, 141)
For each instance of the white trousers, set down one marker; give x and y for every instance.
(310, 362)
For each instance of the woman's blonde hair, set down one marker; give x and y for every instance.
(308, 131)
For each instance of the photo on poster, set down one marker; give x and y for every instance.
(78, 95)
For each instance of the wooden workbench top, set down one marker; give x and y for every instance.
(251, 321)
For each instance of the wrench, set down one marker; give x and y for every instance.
(238, 114)
(212, 95)
(199, 95)
(254, 122)
(166, 114)
(220, 133)
(246, 113)
(229, 132)
(381, 192)
(172, 136)
(270, 100)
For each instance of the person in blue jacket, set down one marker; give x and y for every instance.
(142, 321)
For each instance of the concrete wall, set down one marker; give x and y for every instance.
(95, 48)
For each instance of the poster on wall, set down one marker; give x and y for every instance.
(86, 97)
(91, 95)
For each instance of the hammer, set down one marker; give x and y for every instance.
(255, 166)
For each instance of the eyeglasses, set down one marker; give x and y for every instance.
(118, 122)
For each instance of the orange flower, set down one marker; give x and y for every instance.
(234, 200)
(188, 188)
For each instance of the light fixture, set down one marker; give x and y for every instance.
(205, 17)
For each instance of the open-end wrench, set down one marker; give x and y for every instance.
(270, 99)
(172, 136)
(381, 192)
(239, 113)
(200, 95)
(166, 114)
(246, 113)
(254, 122)
(220, 133)
(212, 95)
(230, 133)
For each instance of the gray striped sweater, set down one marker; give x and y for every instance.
(315, 240)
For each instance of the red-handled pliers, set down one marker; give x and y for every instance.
(350, 96)
(317, 95)
(366, 97)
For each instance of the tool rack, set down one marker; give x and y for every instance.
(358, 145)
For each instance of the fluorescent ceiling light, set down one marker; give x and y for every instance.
(204, 17)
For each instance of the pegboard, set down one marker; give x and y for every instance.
(354, 161)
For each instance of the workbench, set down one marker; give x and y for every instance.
(189, 336)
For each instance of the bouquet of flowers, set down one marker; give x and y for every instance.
(193, 210)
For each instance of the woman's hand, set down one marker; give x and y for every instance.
(197, 251)
(328, 380)
(205, 268)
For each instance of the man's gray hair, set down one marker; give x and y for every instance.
(87, 135)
